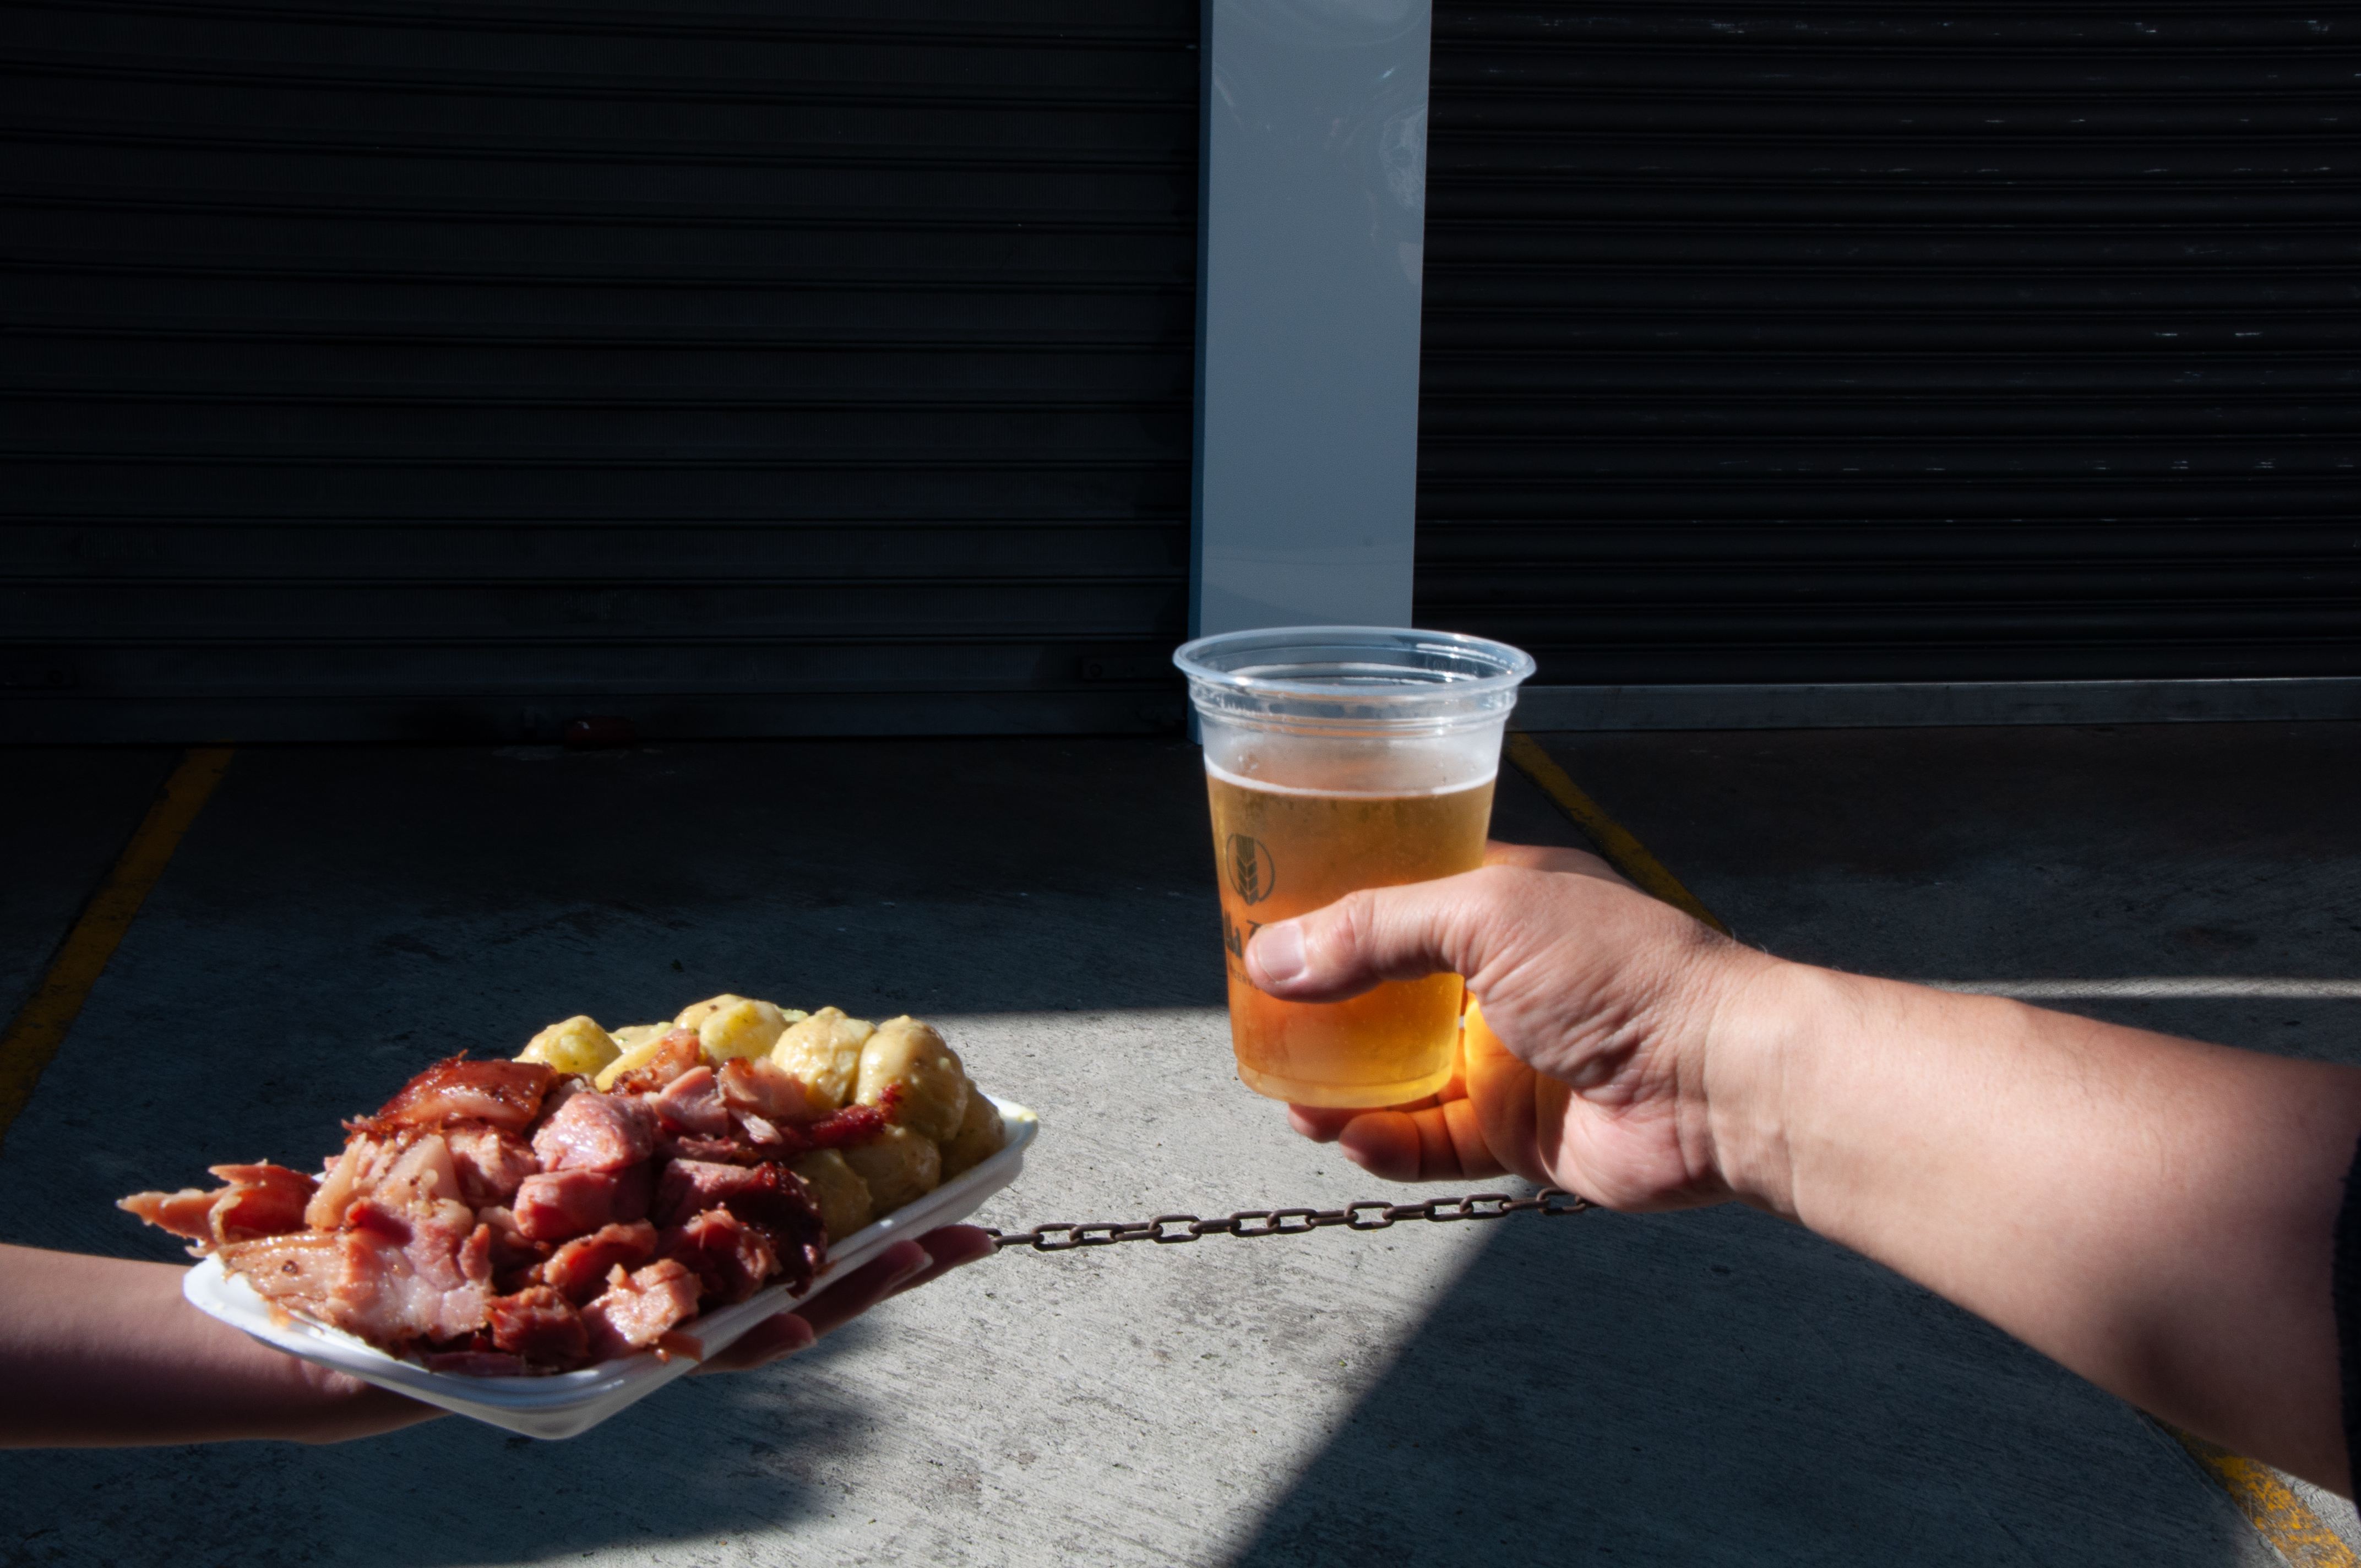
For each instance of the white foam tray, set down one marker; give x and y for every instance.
(571, 1403)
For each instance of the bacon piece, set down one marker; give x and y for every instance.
(259, 1200)
(735, 1151)
(769, 1196)
(541, 1326)
(504, 1094)
(678, 1052)
(577, 1269)
(297, 1271)
(560, 1204)
(595, 1132)
(395, 1280)
(692, 1103)
(690, 1187)
(405, 1172)
(476, 1364)
(761, 1086)
(637, 1311)
(762, 1132)
(730, 1257)
(187, 1214)
(853, 1124)
(491, 1163)
(516, 1257)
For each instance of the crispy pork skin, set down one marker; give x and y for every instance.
(639, 1310)
(504, 1094)
(596, 1132)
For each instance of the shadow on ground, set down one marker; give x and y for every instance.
(1718, 1387)
(1711, 1387)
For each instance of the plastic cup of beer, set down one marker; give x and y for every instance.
(1340, 758)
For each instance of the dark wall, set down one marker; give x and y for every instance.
(448, 370)
(1905, 341)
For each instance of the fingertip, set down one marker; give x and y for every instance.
(901, 1260)
(1274, 956)
(955, 1246)
(1384, 1144)
(1320, 1123)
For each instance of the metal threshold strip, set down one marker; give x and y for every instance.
(1871, 705)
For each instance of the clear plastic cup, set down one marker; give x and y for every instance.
(1340, 758)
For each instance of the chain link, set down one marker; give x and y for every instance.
(1548, 1203)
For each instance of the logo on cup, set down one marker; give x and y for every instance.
(1252, 875)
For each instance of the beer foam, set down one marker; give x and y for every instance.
(1243, 783)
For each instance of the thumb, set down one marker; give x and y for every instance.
(1367, 937)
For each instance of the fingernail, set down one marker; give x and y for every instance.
(1278, 951)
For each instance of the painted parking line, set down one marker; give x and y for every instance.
(2266, 1498)
(1618, 849)
(2155, 987)
(48, 1016)
(2259, 1491)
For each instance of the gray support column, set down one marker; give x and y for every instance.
(1312, 230)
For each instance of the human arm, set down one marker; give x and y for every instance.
(2155, 1214)
(101, 1352)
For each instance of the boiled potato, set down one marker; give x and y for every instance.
(980, 1135)
(900, 1166)
(633, 1034)
(696, 1013)
(824, 1050)
(842, 1196)
(911, 1060)
(743, 1029)
(577, 1044)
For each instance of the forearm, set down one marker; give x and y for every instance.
(98, 1352)
(2157, 1214)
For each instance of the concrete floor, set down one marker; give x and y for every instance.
(1704, 1388)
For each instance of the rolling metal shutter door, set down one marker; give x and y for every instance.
(1779, 343)
(440, 371)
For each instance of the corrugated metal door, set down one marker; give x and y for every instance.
(1809, 343)
(377, 370)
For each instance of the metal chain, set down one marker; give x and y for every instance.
(1365, 1216)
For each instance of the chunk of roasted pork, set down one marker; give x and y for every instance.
(499, 1093)
(497, 1218)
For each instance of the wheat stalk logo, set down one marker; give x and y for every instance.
(1252, 874)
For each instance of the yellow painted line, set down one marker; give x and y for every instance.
(1622, 851)
(41, 1026)
(2270, 1505)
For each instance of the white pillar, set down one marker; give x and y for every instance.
(1312, 226)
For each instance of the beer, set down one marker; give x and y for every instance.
(1285, 850)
